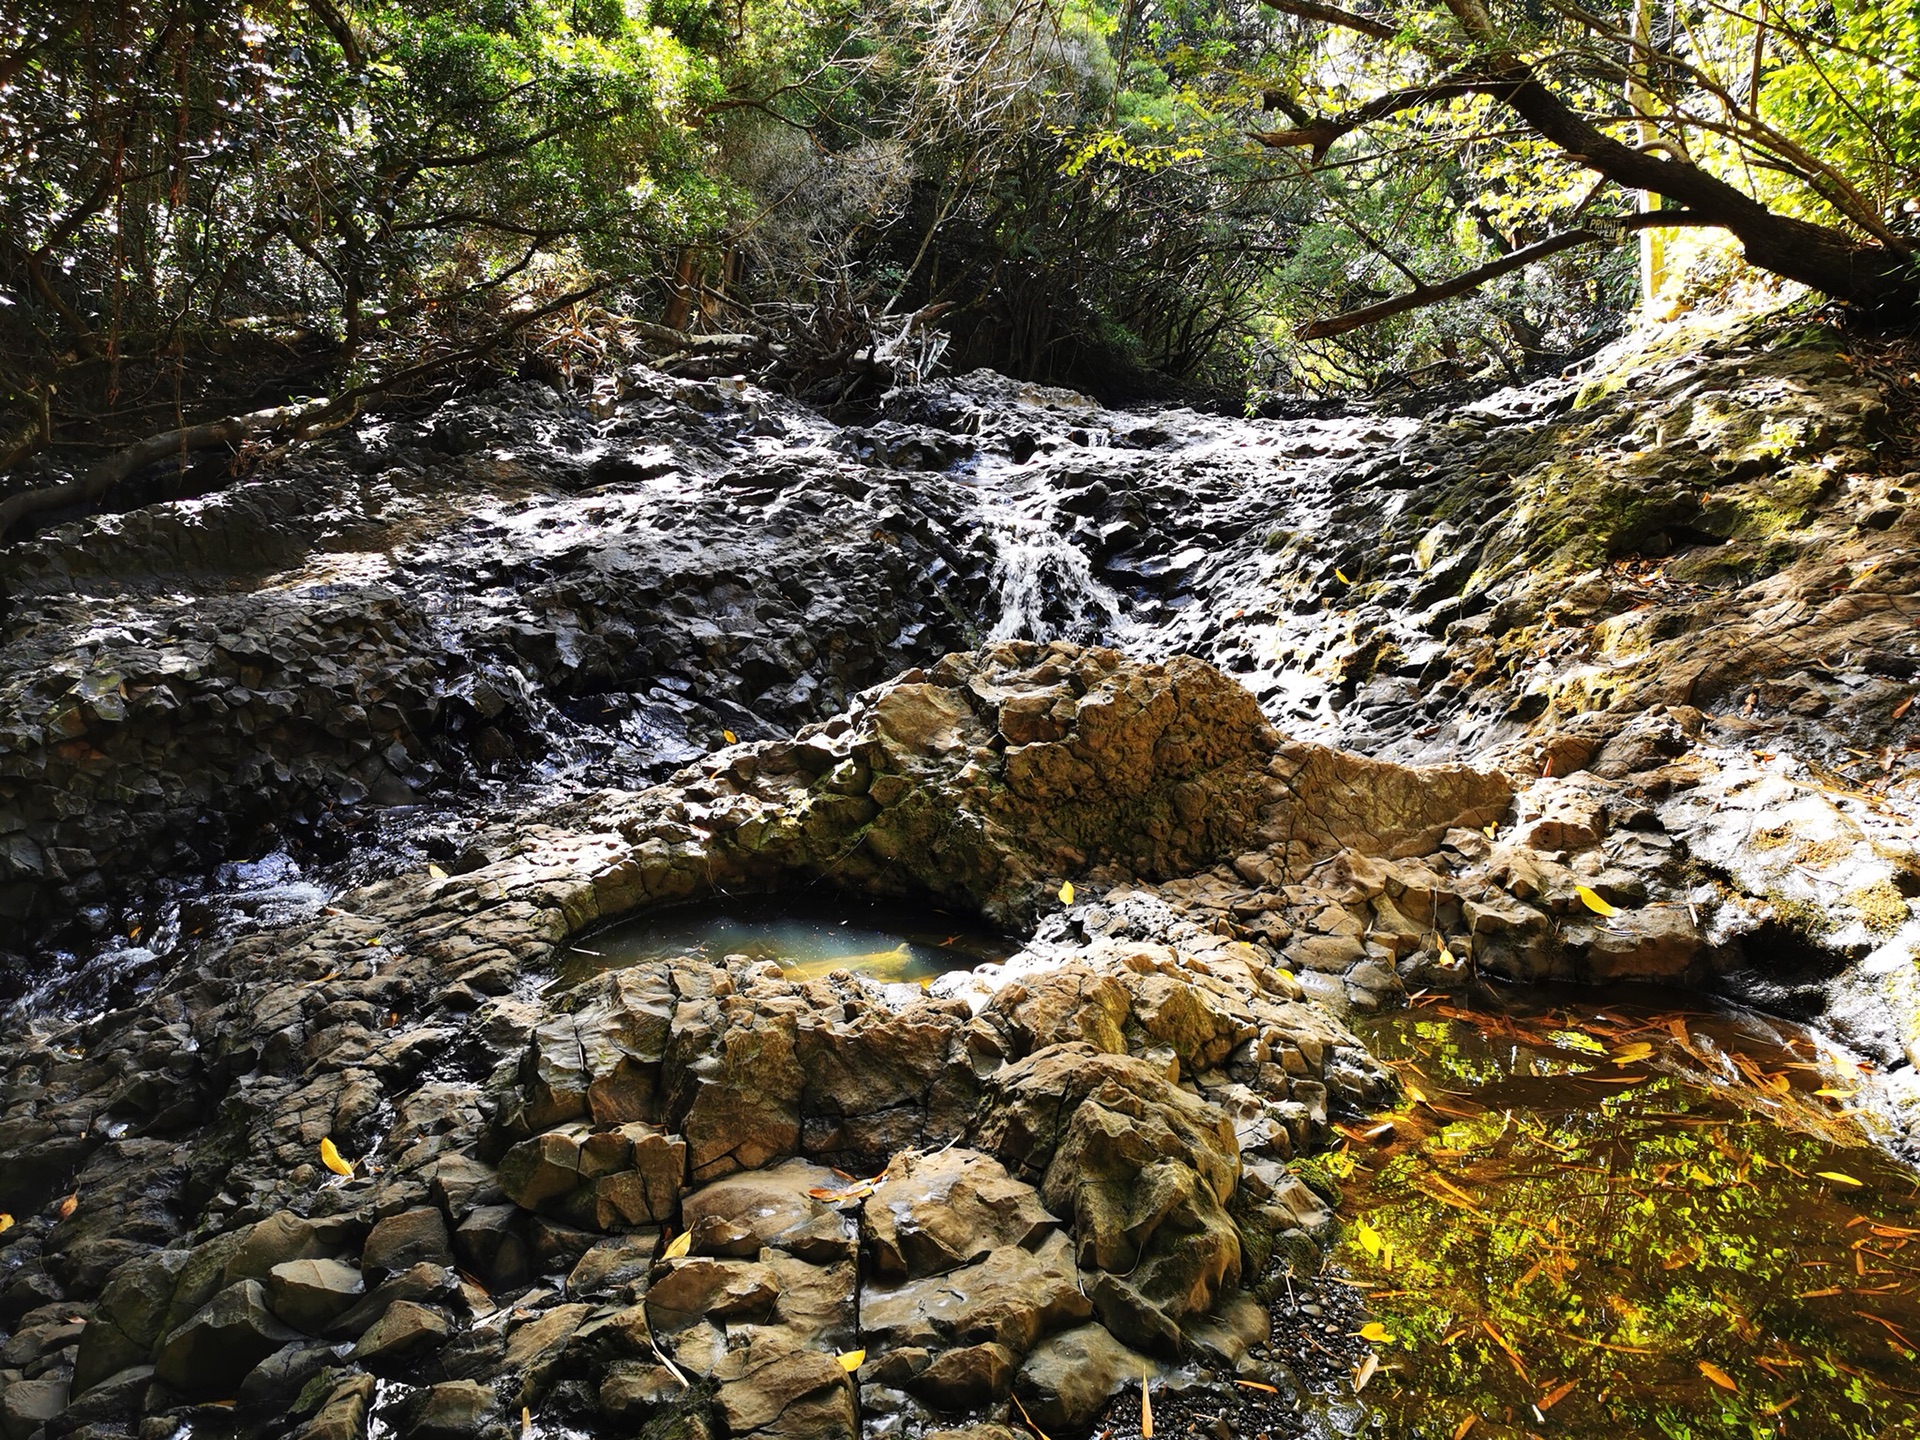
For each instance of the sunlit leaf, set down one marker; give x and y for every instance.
(729, 737)
(1066, 892)
(526, 1422)
(852, 1360)
(1368, 1237)
(436, 872)
(1838, 1178)
(6, 1222)
(1718, 1376)
(1376, 1333)
(1593, 902)
(331, 1157)
(678, 1246)
(1341, 576)
(1146, 1411)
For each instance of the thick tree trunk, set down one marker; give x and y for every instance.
(94, 485)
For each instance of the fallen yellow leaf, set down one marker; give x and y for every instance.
(729, 737)
(1718, 1376)
(1376, 1333)
(1257, 1385)
(1832, 1093)
(69, 1205)
(1558, 1393)
(1593, 902)
(1066, 892)
(1341, 576)
(526, 1422)
(1467, 1422)
(1415, 1095)
(1492, 828)
(6, 1223)
(852, 1360)
(1368, 1237)
(1146, 1412)
(331, 1157)
(678, 1246)
(1628, 1054)
(436, 872)
(1838, 1178)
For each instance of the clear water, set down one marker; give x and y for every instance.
(805, 938)
(1611, 1220)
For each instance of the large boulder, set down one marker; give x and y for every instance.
(1144, 1169)
(208, 1356)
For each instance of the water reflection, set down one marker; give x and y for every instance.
(805, 938)
(1617, 1220)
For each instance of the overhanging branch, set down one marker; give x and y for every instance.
(1424, 295)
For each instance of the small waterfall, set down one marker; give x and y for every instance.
(1044, 587)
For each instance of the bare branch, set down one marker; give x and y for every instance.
(1422, 296)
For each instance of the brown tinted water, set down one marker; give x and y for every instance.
(804, 937)
(1610, 1220)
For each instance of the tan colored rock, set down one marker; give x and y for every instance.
(1012, 1297)
(935, 1213)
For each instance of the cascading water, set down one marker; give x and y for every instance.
(1044, 587)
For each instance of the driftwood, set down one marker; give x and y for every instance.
(299, 421)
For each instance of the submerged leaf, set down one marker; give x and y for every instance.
(1593, 902)
(331, 1157)
(1718, 1376)
(1364, 1371)
(1629, 1054)
(678, 1246)
(1838, 1178)
(1467, 1422)
(1558, 1393)
(852, 1360)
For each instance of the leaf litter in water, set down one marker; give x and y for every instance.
(1602, 1233)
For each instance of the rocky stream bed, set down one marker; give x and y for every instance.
(1242, 734)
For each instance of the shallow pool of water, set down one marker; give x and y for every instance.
(1614, 1220)
(805, 937)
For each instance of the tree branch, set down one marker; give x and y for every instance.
(1320, 135)
(1334, 15)
(1425, 295)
